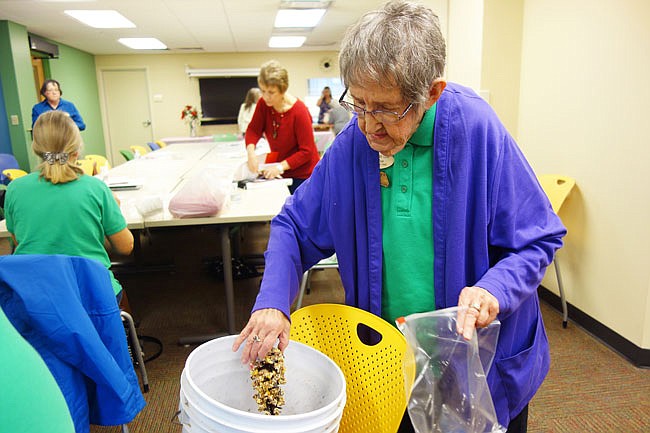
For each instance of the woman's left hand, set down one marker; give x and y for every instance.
(478, 309)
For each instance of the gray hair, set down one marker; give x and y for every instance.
(400, 45)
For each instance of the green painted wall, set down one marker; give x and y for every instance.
(17, 88)
(74, 69)
(5, 142)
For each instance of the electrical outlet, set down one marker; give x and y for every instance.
(14, 119)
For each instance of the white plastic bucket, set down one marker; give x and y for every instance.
(216, 392)
(197, 421)
(201, 413)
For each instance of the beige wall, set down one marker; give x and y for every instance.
(501, 58)
(584, 107)
(167, 77)
(465, 32)
(569, 81)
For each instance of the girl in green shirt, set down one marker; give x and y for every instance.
(58, 209)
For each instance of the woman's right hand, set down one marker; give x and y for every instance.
(253, 164)
(268, 325)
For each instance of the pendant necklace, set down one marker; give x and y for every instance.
(276, 126)
(385, 162)
(275, 122)
(383, 179)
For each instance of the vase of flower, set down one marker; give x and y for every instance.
(191, 116)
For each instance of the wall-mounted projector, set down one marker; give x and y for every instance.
(42, 46)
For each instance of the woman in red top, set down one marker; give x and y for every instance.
(285, 121)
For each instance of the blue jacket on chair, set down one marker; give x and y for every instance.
(65, 307)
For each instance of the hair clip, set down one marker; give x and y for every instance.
(51, 157)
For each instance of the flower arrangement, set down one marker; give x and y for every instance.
(191, 117)
(189, 114)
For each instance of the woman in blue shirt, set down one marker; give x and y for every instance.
(51, 91)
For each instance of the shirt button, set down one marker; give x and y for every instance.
(404, 188)
(405, 163)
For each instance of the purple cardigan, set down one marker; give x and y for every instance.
(493, 227)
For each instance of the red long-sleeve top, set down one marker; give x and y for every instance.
(294, 136)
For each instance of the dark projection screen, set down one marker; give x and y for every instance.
(221, 98)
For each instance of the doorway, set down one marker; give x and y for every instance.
(127, 110)
(39, 76)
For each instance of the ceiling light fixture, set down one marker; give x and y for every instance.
(143, 43)
(286, 41)
(298, 17)
(305, 4)
(101, 19)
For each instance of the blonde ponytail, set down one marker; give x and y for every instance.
(56, 139)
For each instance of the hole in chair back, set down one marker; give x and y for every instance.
(367, 335)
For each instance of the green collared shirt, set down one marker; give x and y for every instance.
(407, 230)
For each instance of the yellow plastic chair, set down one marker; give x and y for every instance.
(557, 188)
(139, 149)
(7, 161)
(14, 173)
(100, 161)
(160, 143)
(374, 374)
(88, 166)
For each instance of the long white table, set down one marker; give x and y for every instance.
(163, 173)
(323, 139)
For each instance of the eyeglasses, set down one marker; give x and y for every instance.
(381, 116)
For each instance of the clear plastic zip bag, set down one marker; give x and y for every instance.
(450, 392)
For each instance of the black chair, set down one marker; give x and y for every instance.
(135, 348)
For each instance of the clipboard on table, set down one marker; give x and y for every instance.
(260, 182)
(123, 183)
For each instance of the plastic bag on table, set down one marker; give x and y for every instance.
(450, 392)
(203, 195)
(262, 150)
